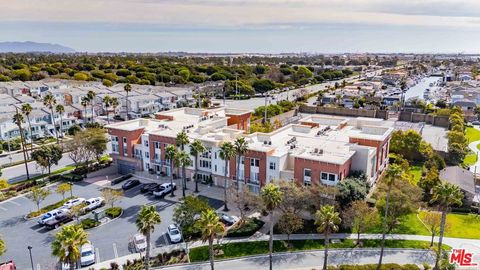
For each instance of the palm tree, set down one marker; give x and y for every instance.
(271, 197)
(127, 89)
(183, 160)
(60, 110)
(114, 102)
(18, 120)
(210, 227)
(182, 140)
(91, 97)
(107, 101)
(50, 101)
(327, 221)
(196, 148)
(85, 103)
(68, 243)
(241, 148)
(27, 110)
(227, 152)
(171, 155)
(394, 171)
(147, 218)
(445, 195)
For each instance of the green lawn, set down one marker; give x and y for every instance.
(232, 250)
(472, 134)
(461, 225)
(470, 159)
(416, 171)
(409, 224)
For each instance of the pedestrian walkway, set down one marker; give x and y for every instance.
(472, 245)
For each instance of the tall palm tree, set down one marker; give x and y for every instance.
(68, 243)
(327, 221)
(60, 110)
(91, 97)
(171, 155)
(210, 227)
(227, 152)
(85, 103)
(182, 140)
(107, 101)
(197, 148)
(445, 195)
(127, 88)
(18, 120)
(183, 160)
(271, 197)
(147, 218)
(241, 148)
(394, 171)
(50, 101)
(114, 102)
(27, 110)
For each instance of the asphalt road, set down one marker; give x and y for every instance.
(314, 259)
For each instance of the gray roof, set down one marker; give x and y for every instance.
(460, 177)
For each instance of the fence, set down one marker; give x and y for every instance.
(435, 120)
(382, 114)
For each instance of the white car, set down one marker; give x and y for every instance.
(93, 203)
(50, 215)
(174, 234)
(87, 255)
(140, 242)
(164, 189)
(73, 202)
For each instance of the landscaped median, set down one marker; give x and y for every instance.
(241, 249)
(110, 213)
(48, 208)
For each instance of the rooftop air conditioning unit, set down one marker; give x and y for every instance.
(270, 143)
(320, 151)
(315, 150)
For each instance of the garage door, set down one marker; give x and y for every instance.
(125, 167)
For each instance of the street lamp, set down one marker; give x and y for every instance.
(71, 189)
(31, 259)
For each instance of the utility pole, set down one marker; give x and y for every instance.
(265, 116)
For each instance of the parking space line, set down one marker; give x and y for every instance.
(4, 209)
(97, 255)
(14, 202)
(115, 252)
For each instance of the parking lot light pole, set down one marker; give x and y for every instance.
(31, 259)
(71, 189)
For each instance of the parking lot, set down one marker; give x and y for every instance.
(110, 240)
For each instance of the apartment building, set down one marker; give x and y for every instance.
(320, 149)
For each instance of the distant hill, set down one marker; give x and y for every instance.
(29, 46)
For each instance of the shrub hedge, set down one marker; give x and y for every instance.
(113, 212)
(248, 228)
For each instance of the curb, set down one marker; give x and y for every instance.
(121, 213)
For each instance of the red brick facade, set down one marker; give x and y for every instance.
(133, 137)
(382, 149)
(242, 121)
(318, 167)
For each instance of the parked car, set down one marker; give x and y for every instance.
(73, 202)
(164, 189)
(227, 220)
(58, 220)
(149, 187)
(87, 255)
(93, 203)
(130, 184)
(476, 123)
(174, 234)
(49, 215)
(140, 242)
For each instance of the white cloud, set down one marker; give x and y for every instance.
(243, 13)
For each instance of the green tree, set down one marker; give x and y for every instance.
(171, 155)
(186, 211)
(111, 196)
(27, 110)
(3, 246)
(47, 155)
(210, 227)
(91, 98)
(96, 141)
(146, 220)
(37, 195)
(352, 189)
(63, 188)
(60, 110)
(114, 103)
(49, 101)
(84, 102)
(181, 140)
(289, 223)
(18, 120)
(432, 221)
(81, 76)
(271, 197)
(327, 221)
(360, 217)
(445, 195)
(196, 148)
(263, 85)
(68, 243)
(127, 88)
(227, 152)
(241, 148)
(107, 102)
(184, 160)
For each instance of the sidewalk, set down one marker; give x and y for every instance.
(471, 245)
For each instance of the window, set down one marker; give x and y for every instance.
(307, 172)
(328, 177)
(272, 165)
(324, 176)
(125, 150)
(124, 140)
(215, 154)
(242, 160)
(147, 154)
(254, 162)
(156, 156)
(156, 145)
(145, 143)
(215, 168)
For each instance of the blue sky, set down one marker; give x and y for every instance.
(269, 26)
